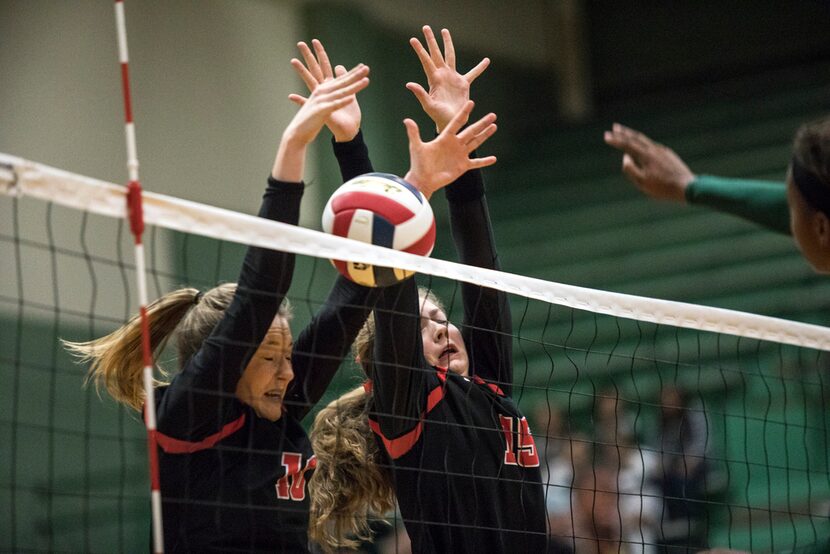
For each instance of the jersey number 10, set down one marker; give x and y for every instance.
(520, 449)
(291, 486)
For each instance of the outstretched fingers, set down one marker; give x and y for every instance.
(475, 72)
(347, 84)
(475, 128)
(629, 141)
(420, 94)
(354, 74)
(335, 104)
(423, 56)
(478, 163)
(631, 169)
(309, 80)
(412, 131)
(311, 62)
(460, 118)
(434, 49)
(449, 48)
(297, 99)
(480, 138)
(322, 59)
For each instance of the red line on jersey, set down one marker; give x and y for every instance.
(178, 446)
(495, 388)
(399, 446)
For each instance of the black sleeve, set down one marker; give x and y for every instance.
(487, 326)
(400, 375)
(197, 401)
(352, 157)
(325, 342)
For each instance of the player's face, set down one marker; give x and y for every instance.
(809, 229)
(266, 378)
(443, 343)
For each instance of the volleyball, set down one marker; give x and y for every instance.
(384, 210)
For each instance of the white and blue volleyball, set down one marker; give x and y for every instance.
(384, 210)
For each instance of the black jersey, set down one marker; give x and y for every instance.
(231, 481)
(464, 463)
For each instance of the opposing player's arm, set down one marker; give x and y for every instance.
(655, 169)
(660, 173)
(761, 202)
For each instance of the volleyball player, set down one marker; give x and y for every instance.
(233, 456)
(448, 439)
(800, 207)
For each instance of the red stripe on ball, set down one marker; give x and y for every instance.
(392, 211)
(423, 246)
(342, 222)
(341, 266)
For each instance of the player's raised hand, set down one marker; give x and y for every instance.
(326, 98)
(343, 123)
(437, 163)
(449, 90)
(654, 168)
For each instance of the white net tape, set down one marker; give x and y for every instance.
(24, 178)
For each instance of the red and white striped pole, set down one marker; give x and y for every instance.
(136, 217)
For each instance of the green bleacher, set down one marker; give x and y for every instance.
(563, 211)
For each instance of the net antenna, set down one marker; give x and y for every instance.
(136, 219)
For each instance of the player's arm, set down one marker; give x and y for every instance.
(321, 347)
(660, 173)
(200, 393)
(400, 374)
(487, 324)
(761, 202)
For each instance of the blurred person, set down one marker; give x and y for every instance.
(557, 466)
(682, 439)
(627, 504)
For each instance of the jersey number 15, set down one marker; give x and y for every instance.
(520, 449)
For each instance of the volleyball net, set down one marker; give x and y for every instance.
(659, 424)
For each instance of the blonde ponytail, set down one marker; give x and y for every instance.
(116, 360)
(349, 485)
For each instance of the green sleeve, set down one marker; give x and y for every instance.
(761, 202)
